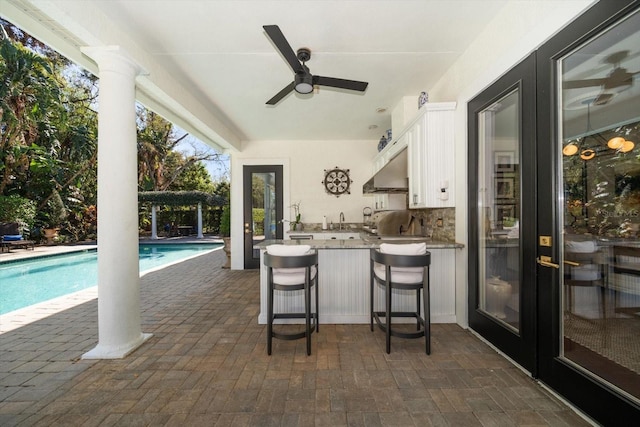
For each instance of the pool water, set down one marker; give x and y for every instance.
(31, 281)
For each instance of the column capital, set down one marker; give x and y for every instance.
(113, 58)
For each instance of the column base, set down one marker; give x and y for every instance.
(115, 352)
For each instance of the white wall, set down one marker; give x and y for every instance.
(517, 31)
(304, 162)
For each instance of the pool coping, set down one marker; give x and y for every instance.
(46, 251)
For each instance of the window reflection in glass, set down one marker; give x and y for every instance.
(600, 125)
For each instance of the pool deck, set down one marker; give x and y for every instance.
(27, 315)
(206, 364)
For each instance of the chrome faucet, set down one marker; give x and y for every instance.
(341, 219)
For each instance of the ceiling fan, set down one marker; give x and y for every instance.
(304, 81)
(617, 80)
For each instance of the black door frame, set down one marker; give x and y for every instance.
(250, 261)
(598, 400)
(521, 345)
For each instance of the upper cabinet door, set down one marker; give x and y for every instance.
(431, 157)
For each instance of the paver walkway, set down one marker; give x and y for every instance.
(206, 364)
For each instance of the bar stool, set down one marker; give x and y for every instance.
(405, 267)
(292, 268)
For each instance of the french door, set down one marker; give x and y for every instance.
(554, 280)
(262, 209)
(589, 204)
(502, 285)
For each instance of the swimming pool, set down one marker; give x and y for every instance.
(27, 282)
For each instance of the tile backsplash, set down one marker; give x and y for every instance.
(437, 223)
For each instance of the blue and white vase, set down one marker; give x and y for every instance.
(423, 99)
(389, 138)
(382, 143)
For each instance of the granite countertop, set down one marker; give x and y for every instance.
(355, 243)
(314, 230)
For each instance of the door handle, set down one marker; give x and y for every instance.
(546, 261)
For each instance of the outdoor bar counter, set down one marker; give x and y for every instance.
(344, 280)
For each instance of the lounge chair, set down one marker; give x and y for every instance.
(11, 237)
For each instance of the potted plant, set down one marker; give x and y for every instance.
(225, 233)
(55, 216)
(296, 225)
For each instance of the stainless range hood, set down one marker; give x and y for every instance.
(392, 178)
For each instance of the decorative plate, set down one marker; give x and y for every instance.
(336, 181)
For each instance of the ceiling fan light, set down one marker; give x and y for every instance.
(627, 146)
(587, 154)
(304, 83)
(570, 149)
(615, 143)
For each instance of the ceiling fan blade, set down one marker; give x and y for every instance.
(602, 99)
(276, 36)
(284, 92)
(340, 83)
(575, 84)
(619, 77)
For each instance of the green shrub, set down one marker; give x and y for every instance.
(56, 211)
(17, 209)
(225, 221)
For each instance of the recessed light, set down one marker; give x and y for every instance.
(381, 110)
(373, 127)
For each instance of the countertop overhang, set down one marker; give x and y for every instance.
(358, 243)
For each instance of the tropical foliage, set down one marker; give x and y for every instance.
(48, 142)
(17, 209)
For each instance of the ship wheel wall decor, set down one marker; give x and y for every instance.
(336, 181)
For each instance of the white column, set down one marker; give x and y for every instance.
(154, 223)
(200, 236)
(119, 326)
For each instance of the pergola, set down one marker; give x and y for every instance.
(179, 198)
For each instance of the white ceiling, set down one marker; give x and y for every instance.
(216, 53)
(219, 52)
(595, 60)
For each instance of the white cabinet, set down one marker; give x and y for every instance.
(431, 157)
(396, 147)
(416, 160)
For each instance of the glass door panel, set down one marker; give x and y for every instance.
(499, 210)
(262, 209)
(599, 103)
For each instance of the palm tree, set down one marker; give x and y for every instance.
(30, 105)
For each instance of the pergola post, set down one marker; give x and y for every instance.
(119, 323)
(154, 223)
(200, 235)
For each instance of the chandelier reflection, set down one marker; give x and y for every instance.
(588, 149)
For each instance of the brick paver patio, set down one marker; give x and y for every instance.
(207, 365)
